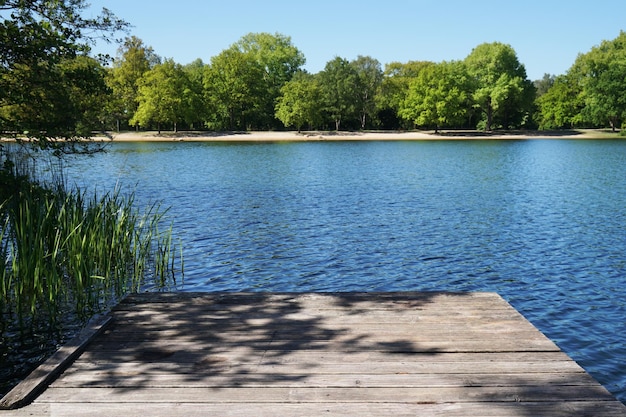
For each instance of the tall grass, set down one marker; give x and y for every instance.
(64, 251)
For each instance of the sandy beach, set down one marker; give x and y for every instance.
(293, 136)
(315, 136)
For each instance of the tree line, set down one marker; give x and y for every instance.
(258, 83)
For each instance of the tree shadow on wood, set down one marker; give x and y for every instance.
(229, 340)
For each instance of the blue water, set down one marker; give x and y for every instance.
(541, 222)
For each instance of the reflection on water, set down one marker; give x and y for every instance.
(540, 222)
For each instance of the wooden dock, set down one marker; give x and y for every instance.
(339, 354)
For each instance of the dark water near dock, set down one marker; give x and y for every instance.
(543, 223)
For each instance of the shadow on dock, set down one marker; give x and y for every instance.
(225, 335)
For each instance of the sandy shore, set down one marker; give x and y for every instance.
(292, 136)
(348, 136)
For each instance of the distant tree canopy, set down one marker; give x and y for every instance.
(300, 102)
(258, 83)
(591, 93)
(134, 60)
(500, 87)
(440, 95)
(50, 87)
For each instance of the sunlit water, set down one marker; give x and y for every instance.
(543, 223)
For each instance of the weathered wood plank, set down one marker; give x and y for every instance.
(329, 316)
(314, 303)
(327, 298)
(295, 334)
(408, 346)
(240, 354)
(326, 364)
(327, 395)
(271, 378)
(468, 409)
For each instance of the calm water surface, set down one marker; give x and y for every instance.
(543, 223)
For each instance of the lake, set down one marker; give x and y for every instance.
(541, 222)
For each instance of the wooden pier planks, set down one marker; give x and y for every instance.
(347, 354)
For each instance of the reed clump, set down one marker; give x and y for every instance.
(64, 253)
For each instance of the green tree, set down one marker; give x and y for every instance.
(61, 100)
(300, 102)
(86, 89)
(603, 71)
(561, 106)
(369, 79)
(394, 89)
(47, 31)
(133, 60)
(438, 96)
(279, 60)
(161, 96)
(339, 83)
(543, 85)
(501, 88)
(38, 40)
(194, 93)
(233, 89)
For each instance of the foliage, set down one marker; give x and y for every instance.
(193, 95)
(133, 61)
(339, 90)
(242, 83)
(85, 89)
(64, 253)
(394, 89)
(561, 106)
(543, 85)
(63, 100)
(300, 102)
(163, 96)
(369, 80)
(50, 88)
(438, 96)
(37, 37)
(501, 89)
(603, 71)
(279, 60)
(233, 89)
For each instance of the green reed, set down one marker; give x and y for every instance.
(61, 250)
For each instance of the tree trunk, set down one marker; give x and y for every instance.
(489, 115)
(337, 124)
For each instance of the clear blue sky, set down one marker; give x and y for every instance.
(546, 34)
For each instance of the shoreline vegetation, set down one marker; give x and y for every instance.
(67, 255)
(312, 136)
